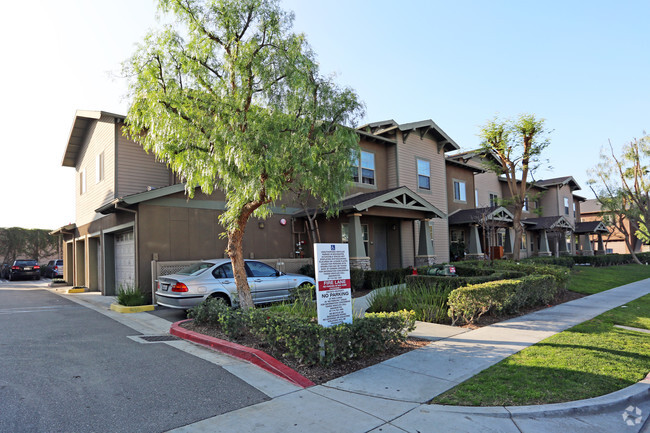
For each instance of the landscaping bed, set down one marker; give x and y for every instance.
(316, 373)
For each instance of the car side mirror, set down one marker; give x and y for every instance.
(279, 273)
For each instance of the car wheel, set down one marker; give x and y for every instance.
(221, 298)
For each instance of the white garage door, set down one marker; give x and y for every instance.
(124, 261)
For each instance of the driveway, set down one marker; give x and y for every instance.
(66, 367)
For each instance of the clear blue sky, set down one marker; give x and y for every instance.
(583, 66)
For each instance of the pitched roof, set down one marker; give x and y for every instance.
(139, 197)
(590, 227)
(560, 181)
(468, 216)
(590, 206)
(547, 223)
(82, 121)
(424, 127)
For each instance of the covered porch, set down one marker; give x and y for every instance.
(482, 232)
(590, 235)
(552, 236)
(385, 229)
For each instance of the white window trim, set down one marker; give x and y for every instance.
(460, 199)
(99, 168)
(417, 169)
(82, 182)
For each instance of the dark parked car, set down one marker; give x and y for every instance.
(54, 269)
(24, 269)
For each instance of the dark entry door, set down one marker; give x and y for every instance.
(381, 246)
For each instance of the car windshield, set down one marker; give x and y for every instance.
(195, 269)
(25, 262)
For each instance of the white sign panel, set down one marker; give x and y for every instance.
(333, 286)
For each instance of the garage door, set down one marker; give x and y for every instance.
(124, 260)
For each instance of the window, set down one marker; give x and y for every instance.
(82, 181)
(524, 240)
(99, 168)
(476, 198)
(566, 206)
(366, 170)
(424, 174)
(259, 269)
(459, 191)
(223, 271)
(345, 234)
(494, 199)
(525, 207)
(574, 209)
(458, 236)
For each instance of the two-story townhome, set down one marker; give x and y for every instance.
(550, 215)
(395, 214)
(131, 209)
(612, 241)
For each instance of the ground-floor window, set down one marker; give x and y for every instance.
(524, 241)
(345, 235)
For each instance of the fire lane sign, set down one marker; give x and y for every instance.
(334, 288)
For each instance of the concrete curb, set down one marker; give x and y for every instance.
(638, 392)
(254, 356)
(137, 309)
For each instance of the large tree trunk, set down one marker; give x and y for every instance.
(235, 252)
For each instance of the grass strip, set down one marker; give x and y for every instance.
(589, 280)
(588, 360)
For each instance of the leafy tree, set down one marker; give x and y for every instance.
(17, 242)
(231, 99)
(516, 147)
(621, 186)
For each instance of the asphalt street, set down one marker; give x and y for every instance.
(67, 368)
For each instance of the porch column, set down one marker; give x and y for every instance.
(601, 245)
(543, 244)
(509, 246)
(358, 258)
(573, 244)
(562, 243)
(587, 250)
(425, 255)
(474, 246)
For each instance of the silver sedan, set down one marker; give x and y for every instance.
(214, 278)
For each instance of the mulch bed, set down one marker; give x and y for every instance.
(319, 374)
(316, 373)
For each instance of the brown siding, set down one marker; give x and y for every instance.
(488, 183)
(136, 169)
(100, 138)
(463, 174)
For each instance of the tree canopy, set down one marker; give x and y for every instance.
(231, 99)
(513, 149)
(622, 188)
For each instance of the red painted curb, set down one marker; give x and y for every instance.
(253, 356)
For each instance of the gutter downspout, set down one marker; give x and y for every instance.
(136, 246)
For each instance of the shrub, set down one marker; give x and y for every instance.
(307, 270)
(130, 296)
(303, 338)
(357, 279)
(504, 296)
(377, 279)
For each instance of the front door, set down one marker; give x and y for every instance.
(381, 246)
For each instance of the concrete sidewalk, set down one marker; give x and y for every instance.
(391, 396)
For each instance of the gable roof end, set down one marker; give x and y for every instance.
(82, 121)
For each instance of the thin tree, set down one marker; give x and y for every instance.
(517, 147)
(231, 99)
(621, 186)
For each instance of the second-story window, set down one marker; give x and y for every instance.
(574, 209)
(493, 199)
(459, 191)
(364, 169)
(526, 205)
(424, 174)
(566, 206)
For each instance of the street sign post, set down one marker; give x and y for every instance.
(333, 286)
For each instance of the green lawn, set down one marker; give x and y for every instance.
(588, 360)
(589, 280)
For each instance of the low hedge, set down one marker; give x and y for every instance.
(611, 259)
(376, 279)
(503, 296)
(304, 339)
